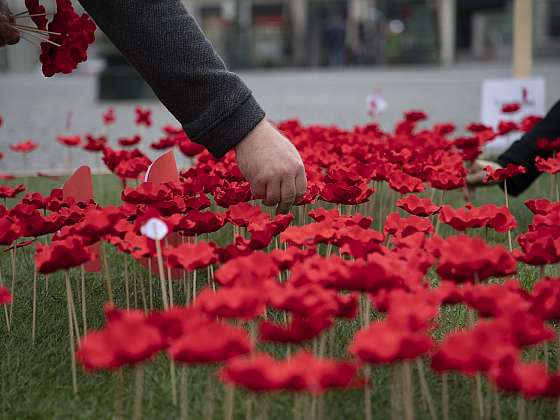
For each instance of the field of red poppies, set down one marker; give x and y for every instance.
(388, 292)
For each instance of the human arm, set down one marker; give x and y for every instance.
(168, 49)
(522, 152)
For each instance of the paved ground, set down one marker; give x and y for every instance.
(38, 108)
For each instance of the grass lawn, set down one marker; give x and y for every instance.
(35, 379)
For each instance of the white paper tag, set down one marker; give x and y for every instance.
(155, 229)
(376, 104)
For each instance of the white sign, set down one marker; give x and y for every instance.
(530, 94)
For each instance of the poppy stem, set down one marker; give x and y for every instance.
(425, 389)
(33, 29)
(107, 276)
(296, 409)
(445, 396)
(25, 12)
(34, 309)
(368, 414)
(407, 391)
(25, 15)
(396, 401)
(187, 287)
(380, 208)
(150, 287)
(13, 288)
(556, 187)
(442, 197)
(521, 408)
(183, 394)
(510, 241)
(138, 392)
(170, 285)
(140, 279)
(126, 285)
(313, 407)
(173, 381)
(249, 402)
(478, 396)
(119, 396)
(74, 316)
(84, 309)
(71, 332)
(38, 37)
(194, 286)
(229, 403)
(162, 275)
(7, 318)
(208, 408)
(498, 408)
(364, 310)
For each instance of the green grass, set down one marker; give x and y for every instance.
(35, 380)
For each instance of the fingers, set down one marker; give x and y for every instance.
(272, 195)
(301, 184)
(258, 189)
(475, 179)
(8, 34)
(288, 195)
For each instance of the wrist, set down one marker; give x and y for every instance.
(260, 130)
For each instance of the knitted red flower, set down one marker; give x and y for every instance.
(24, 147)
(73, 34)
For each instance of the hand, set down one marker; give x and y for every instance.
(273, 167)
(476, 173)
(8, 34)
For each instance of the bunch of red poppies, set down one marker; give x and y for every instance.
(64, 40)
(362, 248)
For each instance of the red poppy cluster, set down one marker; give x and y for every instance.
(291, 279)
(69, 36)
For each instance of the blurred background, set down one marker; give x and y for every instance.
(316, 60)
(327, 33)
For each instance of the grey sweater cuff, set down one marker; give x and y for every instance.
(230, 130)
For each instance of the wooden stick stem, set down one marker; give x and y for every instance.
(138, 392)
(162, 275)
(83, 291)
(71, 332)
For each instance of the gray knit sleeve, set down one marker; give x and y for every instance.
(166, 46)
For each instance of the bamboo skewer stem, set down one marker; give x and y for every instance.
(126, 284)
(31, 28)
(25, 15)
(13, 288)
(368, 413)
(34, 309)
(162, 275)
(83, 291)
(71, 332)
(138, 393)
(445, 396)
(425, 389)
(36, 36)
(183, 394)
(229, 403)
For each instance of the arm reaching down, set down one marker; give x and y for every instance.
(524, 151)
(166, 46)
